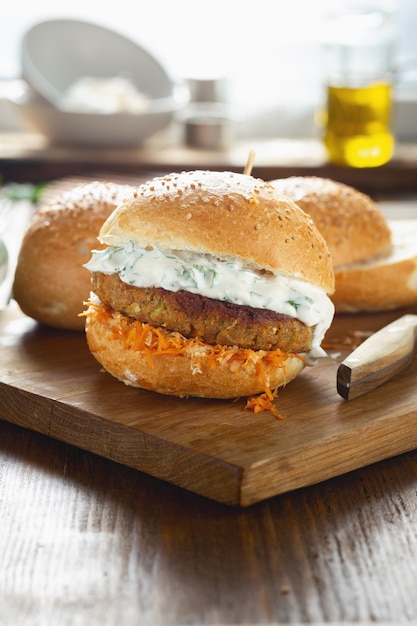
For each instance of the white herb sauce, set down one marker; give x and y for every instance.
(227, 280)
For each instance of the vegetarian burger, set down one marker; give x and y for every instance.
(211, 284)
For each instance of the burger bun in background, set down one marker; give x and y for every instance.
(50, 282)
(374, 258)
(381, 284)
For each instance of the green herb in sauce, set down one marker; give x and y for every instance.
(228, 280)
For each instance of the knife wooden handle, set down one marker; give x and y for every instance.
(378, 358)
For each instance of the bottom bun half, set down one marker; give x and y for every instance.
(141, 355)
(384, 284)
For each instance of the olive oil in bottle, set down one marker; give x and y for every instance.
(359, 61)
(358, 125)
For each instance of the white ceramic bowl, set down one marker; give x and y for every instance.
(55, 54)
(115, 130)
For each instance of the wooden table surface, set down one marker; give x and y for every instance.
(86, 541)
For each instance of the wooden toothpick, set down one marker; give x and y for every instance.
(249, 163)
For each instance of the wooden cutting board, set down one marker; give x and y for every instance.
(51, 384)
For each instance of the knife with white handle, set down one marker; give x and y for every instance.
(378, 358)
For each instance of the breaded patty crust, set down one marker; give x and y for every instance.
(212, 321)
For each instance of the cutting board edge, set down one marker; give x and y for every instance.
(332, 459)
(216, 479)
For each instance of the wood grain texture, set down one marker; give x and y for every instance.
(88, 541)
(50, 383)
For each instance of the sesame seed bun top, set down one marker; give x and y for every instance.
(227, 215)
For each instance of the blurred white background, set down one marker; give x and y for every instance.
(268, 50)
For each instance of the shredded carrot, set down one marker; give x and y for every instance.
(264, 402)
(159, 341)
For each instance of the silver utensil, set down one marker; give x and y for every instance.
(14, 218)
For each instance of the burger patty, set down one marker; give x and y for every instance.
(212, 321)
